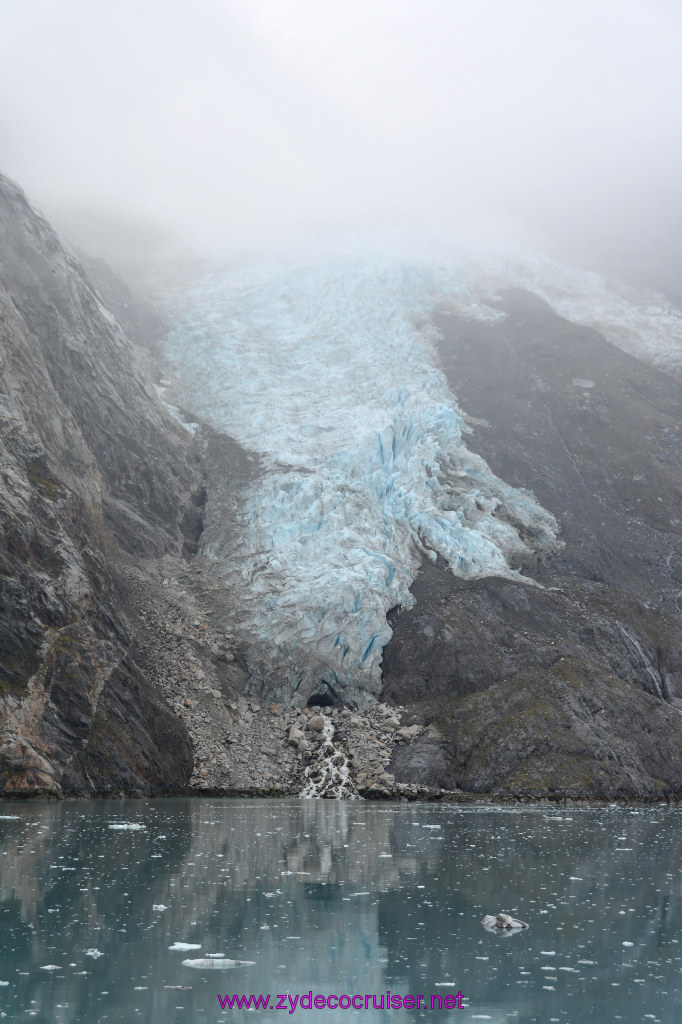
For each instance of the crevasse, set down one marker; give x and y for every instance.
(327, 370)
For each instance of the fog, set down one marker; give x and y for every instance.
(555, 123)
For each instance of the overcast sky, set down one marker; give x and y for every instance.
(247, 116)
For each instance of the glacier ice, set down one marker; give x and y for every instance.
(324, 366)
(327, 370)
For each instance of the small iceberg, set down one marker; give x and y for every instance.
(221, 964)
(184, 947)
(502, 922)
(130, 826)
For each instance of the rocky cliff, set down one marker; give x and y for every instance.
(93, 473)
(120, 669)
(573, 688)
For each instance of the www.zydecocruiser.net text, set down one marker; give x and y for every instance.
(372, 1001)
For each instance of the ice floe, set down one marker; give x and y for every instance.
(222, 964)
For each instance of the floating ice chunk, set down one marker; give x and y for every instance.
(574, 878)
(10, 817)
(215, 956)
(502, 923)
(159, 906)
(131, 826)
(223, 965)
(4, 983)
(628, 943)
(184, 947)
(50, 967)
(94, 953)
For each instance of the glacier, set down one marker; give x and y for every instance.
(322, 362)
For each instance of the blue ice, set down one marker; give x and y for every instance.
(327, 369)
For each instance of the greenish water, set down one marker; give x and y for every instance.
(349, 898)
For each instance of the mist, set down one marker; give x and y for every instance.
(554, 124)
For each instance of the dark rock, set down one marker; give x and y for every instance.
(572, 687)
(94, 470)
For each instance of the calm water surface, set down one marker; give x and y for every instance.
(348, 898)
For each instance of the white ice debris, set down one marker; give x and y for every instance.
(159, 906)
(94, 953)
(226, 964)
(502, 922)
(184, 947)
(130, 826)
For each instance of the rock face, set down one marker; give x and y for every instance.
(119, 666)
(93, 470)
(573, 688)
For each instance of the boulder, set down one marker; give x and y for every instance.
(316, 723)
(408, 732)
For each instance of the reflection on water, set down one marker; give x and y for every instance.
(337, 897)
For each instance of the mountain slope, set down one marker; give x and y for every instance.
(575, 688)
(93, 470)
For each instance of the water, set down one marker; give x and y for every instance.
(345, 897)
